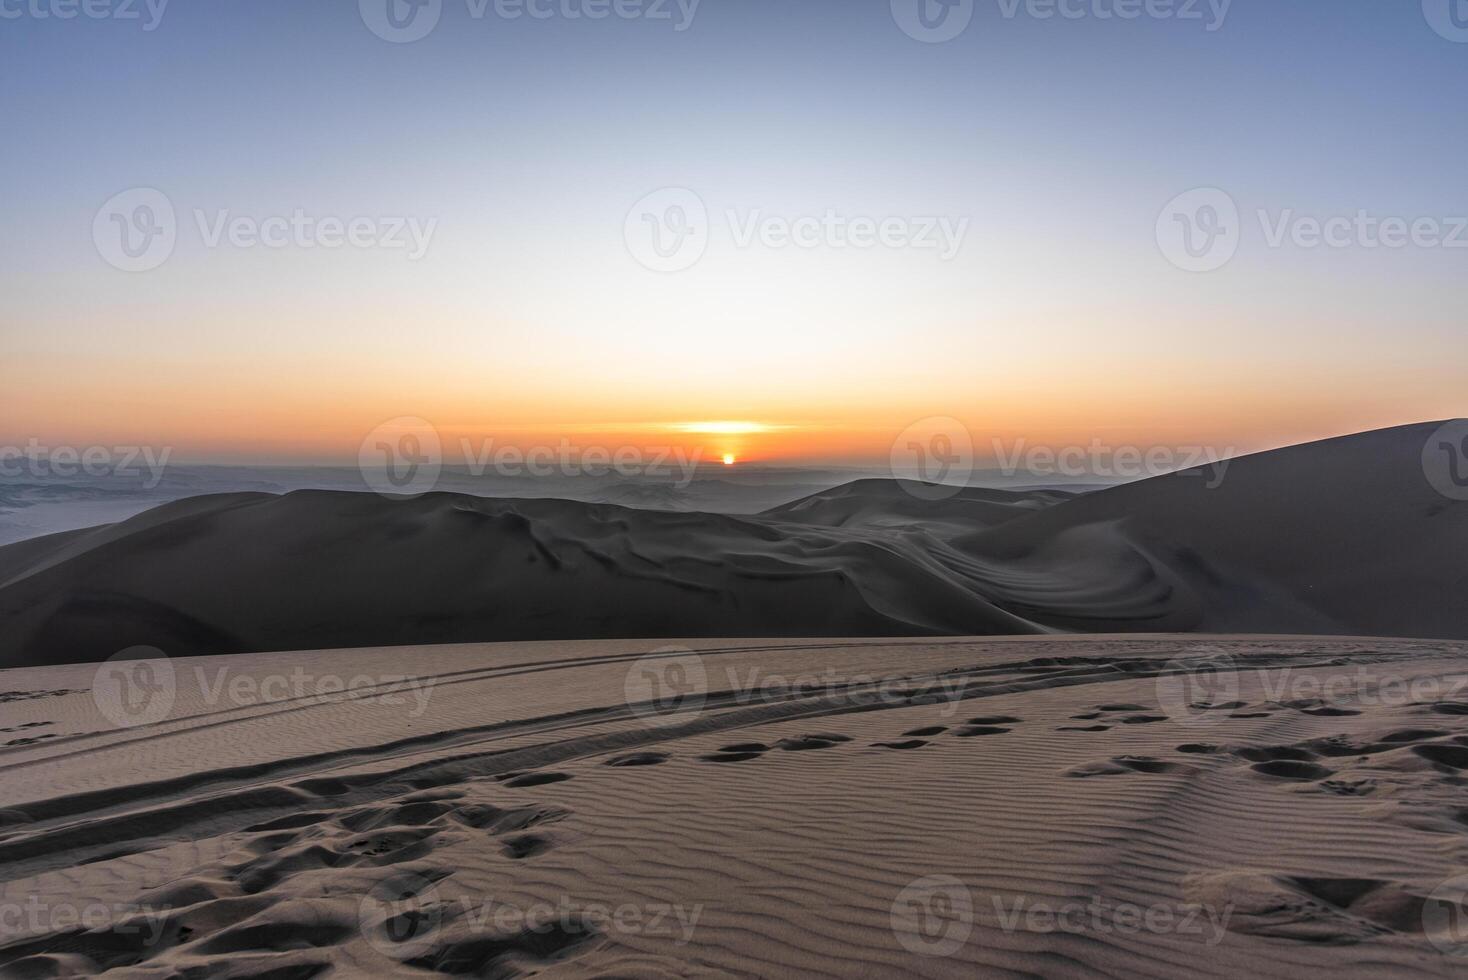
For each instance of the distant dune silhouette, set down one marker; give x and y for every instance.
(1344, 536)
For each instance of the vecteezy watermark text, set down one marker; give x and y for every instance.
(222, 687)
(1202, 229)
(137, 230)
(670, 229)
(935, 915)
(405, 21)
(1210, 13)
(405, 457)
(141, 685)
(42, 461)
(1098, 916)
(937, 458)
(302, 230)
(402, 915)
(1201, 686)
(670, 685)
(148, 12)
(35, 915)
(1126, 462)
(936, 21)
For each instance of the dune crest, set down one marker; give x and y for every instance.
(1344, 537)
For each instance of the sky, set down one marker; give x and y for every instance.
(815, 221)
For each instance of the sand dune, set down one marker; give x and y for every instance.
(1036, 806)
(1339, 537)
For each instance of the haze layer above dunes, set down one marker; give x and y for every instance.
(1345, 536)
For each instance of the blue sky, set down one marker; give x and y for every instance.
(526, 141)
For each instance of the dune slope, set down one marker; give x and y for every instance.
(1339, 537)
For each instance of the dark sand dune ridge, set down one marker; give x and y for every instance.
(1346, 536)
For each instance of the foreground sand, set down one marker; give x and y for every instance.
(1015, 807)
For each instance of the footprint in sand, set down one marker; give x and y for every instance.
(1289, 769)
(638, 759)
(536, 779)
(912, 743)
(970, 731)
(1349, 787)
(1309, 910)
(244, 905)
(31, 740)
(525, 845)
(739, 752)
(1284, 762)
(1276, 753)
(804, 743)
(1453, 757)
(744, 751)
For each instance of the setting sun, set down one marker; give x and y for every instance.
(728, 459)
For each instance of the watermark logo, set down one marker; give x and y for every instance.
(668, 230)
(933, 21)
(135, 687)
(1200, 230)
(400, 21)
(405, 457)
(1195, 688)
(666, 687)
(1445, 917)
(402, 457)
(1449, 18)
(935, 456)
(933, 916)
(401, 915)
(135, 231)
(1445, 460)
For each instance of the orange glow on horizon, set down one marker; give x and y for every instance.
(312, 412)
